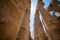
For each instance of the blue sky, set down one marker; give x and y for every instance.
(33, 7)
(33, 10)
(47, 2)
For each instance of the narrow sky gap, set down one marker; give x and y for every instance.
(33, 10)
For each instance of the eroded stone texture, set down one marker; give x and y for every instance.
(51, 24)
(24, 28)
(12, 19)
(39, 33)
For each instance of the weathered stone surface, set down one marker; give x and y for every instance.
(52, 24)
(12, 13)
(54, 6)
(39, 33)
(24, 28)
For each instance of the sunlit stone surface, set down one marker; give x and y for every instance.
(24, 28)
(51, 24)
(15, 20)
(54, 6)
(38, 29)
(14, 17)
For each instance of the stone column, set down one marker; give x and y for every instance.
(9, 20)
(12, 14)
(54, 6)
(51, 24)
(39, 33)
(24, 28)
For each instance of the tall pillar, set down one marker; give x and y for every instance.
(51, 23)
(12, 14)
(24, 28)
(39, 33)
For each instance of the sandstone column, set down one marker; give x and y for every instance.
(9, 20)
(24, 28)
(12, 14)
(39, 33)
(51, 24)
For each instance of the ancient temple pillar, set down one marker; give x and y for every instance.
(51, 24)
(24, 27)
(39, 33)
(12, 14)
